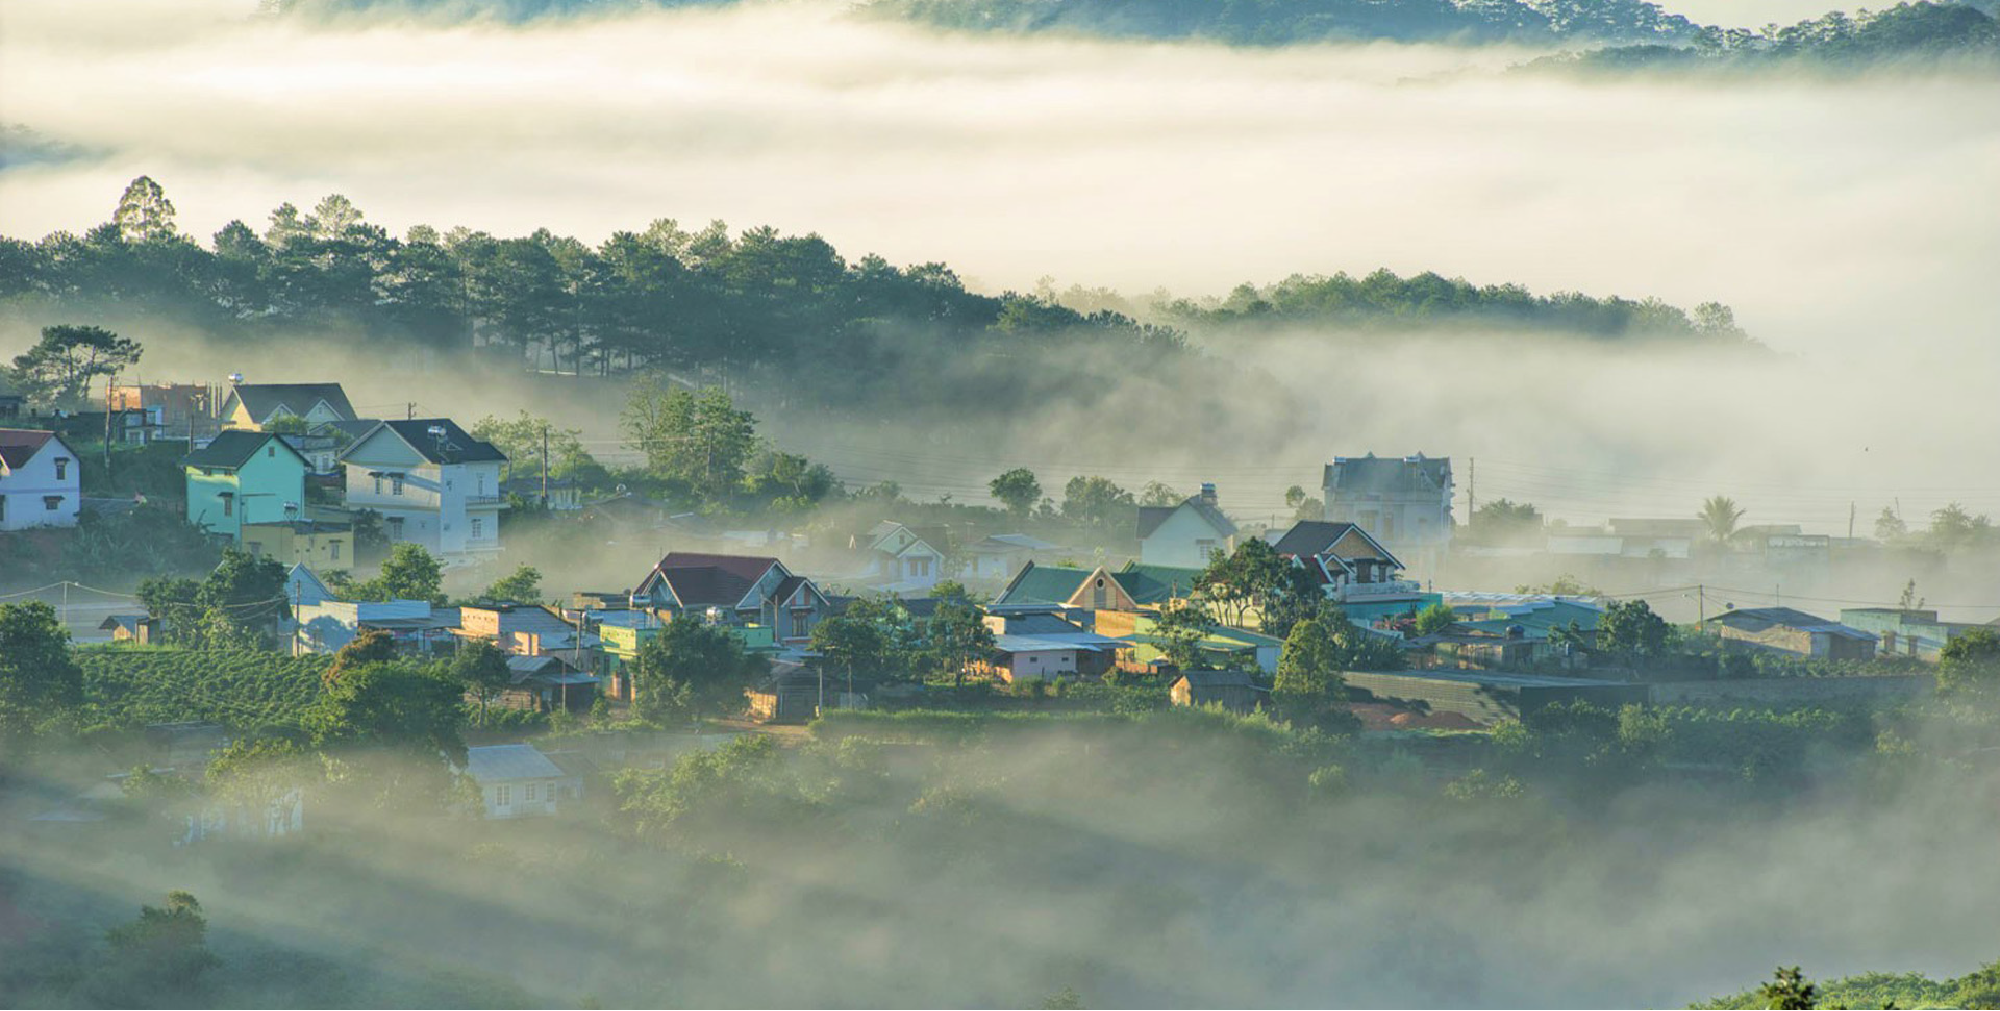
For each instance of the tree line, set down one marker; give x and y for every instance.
(1922, 34)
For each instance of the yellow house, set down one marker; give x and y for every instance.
(255, 405)
(315, 545)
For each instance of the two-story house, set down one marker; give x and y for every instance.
(898, 559)
(41, 483)
(734, 590)
(244, 477)
(1182, 536)
(257, 405)
(1405, 502)
(434, 485)
(1353, 568)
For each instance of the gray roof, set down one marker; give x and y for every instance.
(232, 448)
(298, 398)
(1757, 619)
(453, 445)
(1387, 475)
(1311, 537)
(1150, 517)
(499, 763)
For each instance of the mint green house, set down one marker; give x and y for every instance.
(244, 477)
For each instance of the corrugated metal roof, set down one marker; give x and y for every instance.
(501, 762)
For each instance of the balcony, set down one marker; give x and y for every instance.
(1386, 588)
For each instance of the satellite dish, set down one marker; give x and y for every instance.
(236, 377)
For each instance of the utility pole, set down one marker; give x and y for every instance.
(1850, 522)
(410, 411)
(545, 465)
(108, 380)
(1472, 493)
(1700, 605)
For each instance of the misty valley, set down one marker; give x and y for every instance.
(999, 503)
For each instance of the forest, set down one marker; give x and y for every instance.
(787, 313)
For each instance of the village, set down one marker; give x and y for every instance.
(1197, 610)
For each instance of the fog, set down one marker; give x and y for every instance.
(1851, 224)
(1159, 869)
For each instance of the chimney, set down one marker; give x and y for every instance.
(1208, 492)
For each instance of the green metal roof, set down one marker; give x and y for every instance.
(1155, 584)
(1044, 584)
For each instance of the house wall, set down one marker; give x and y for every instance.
(1039, 663)
(452, 510)
(521, 798)
(25, 492)
(261, 487)
(1183, 541)
(1416, 527)
(321, 550)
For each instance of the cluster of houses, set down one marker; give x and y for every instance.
(258, 450)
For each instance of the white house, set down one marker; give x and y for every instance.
(999, 556)
(1405, 502)
(517, 781)
(899, 560)
(41, 482)
(1181, 536)
(434, 485)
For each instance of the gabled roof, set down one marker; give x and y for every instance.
(1311, 537)
(498, 763)
(1387, 475)
(1156, 584)
(452, 445)
(1150, 517)
(1044, 584)
(304, 587)
(262, 399)
(233, 447)
(1757, 619)
(705, 580)
(19, 445)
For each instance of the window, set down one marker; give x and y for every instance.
(378, 484)
(503, 795)
(271, 451)
(52, 502)
(801, 624)
(395, 484)
(475, 530)
(333, 550)
(528, 793)
(228, 504)
(920, 567)
(62, 468)
(395, 528)
(1202, 548)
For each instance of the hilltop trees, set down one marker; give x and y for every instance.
(698, 441)
(1018, 490)
(144, 213)
(1095, 501)
(59, 369)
